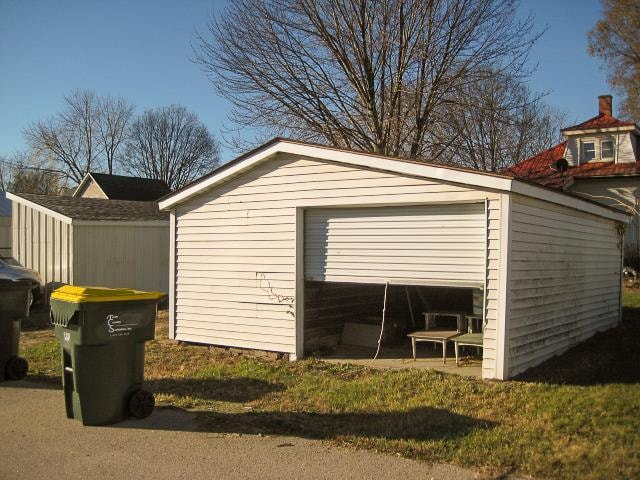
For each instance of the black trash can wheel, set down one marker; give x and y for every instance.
(16, 368)
(141, 404)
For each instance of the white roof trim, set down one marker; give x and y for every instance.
(582, 131)
(39, 208)
(481, 180)
(351, 158)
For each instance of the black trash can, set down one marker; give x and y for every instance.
(102, 333)
(15, 299)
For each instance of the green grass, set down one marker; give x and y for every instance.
(576, 416)
(631, 299)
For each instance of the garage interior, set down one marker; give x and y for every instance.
(342, 323)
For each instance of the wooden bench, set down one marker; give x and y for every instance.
(434, 336)
(467, 339)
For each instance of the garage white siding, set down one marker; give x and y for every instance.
(122, 256)
(43, 243)
(439, 245)
(235, 265)
(490, 340)
(564, 280)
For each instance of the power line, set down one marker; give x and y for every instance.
(26, 167)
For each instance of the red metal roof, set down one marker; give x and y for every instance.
(599, 121)
(541, 168)
(538, 168)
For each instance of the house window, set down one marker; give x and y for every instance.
(588, 151)
(606, 149)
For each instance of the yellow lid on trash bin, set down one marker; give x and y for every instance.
(77, 294)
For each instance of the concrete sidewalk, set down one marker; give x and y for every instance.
(37, 441)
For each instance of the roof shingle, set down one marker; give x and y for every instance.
(98, 209)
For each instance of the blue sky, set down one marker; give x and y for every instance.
(141, 50)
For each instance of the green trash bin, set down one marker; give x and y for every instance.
(102, 333)
(15, 299)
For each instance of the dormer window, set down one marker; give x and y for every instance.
(588, 151)
(606, 149)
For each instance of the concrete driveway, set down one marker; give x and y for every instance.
(37, 441)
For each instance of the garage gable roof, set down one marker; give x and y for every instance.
(464, 176)
(119, 187)
(71, 209)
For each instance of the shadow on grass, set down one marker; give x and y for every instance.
(224, 389)
(417, 424)
(608, 357)
(424, 423)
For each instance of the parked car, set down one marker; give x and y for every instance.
(11, 270)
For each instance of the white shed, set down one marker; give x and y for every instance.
(87, 241)
(255, 243)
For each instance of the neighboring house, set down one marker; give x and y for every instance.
(5, 225)
(598, 159)
(88, 241)
(292, 224)
(118, 187)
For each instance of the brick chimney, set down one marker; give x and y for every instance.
(605, 105)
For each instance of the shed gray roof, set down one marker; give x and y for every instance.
(119, 187)
(98, 209)
(5, 205)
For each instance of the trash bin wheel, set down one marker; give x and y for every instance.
(141, 404)
(16, 368)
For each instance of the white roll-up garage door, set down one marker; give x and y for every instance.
(442, 245)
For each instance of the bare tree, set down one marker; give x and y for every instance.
(5, 174)
(616, 40)
(63, 146)
(68, 139)
(84, 136)
(171, 144)
(28, 172)
(372, 76)
(114, 115)
(495, 123)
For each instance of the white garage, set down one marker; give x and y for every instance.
(91, 241)
(276, 249)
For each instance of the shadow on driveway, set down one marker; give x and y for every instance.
(39, 382)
